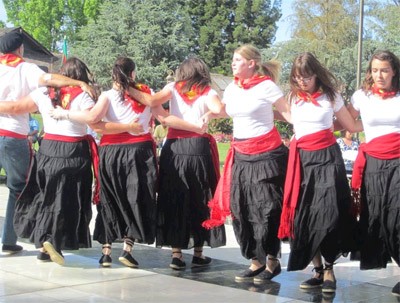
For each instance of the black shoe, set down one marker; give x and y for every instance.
(396, 290)
(312, 283)
(266, 275)
(249, 274)
(105, 260)
(127, 259)
(199, 262)
(177, 264)
(43, 257)
(11, 249)
(55, 255)
(329, 286)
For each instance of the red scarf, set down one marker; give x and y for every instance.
(251, 81)
(220, 204)
(384, 94)
(385, 147)
(316, 141)
(67, 95)
(137, 107)
(193, 94)
(306, 97)
(94, 154)
(11, 60)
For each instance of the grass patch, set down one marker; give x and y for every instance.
(222, 150)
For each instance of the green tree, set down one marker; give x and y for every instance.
(154, 33)
(49, 20)
(2, 24)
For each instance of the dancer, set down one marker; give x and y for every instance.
(252, 185)
(189, 168)
(316, 207)
(376, 170)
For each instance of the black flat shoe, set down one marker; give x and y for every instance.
(312, 283)
(249, 274)
(127, 259)
(11, 249)
(396, 290)
(55, 255)
(105, 261)
(200, 262)
(266, 275)
(329, 286)
(177, 264)
(43, 257)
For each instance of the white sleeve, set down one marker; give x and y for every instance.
(339, 103)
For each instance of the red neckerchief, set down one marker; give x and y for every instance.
(11, 60)
(193, 94)
(316, 141)
(384, 94)
(251, 81)
(306, 97)
(137, 107)
(220, 204)
(67, 95)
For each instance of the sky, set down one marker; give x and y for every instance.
(282, 34)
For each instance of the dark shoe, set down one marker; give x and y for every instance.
(127, 259)
(43, 257)
(11, 249)
(266, 275)
(55, 255)
(312, 283)
(105, 260)
(396, 290)
(329, 286)
(199, 262)
(177, 264)
(249, 274)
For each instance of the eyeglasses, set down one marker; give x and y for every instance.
(301, 79)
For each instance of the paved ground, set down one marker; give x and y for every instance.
(23, 279)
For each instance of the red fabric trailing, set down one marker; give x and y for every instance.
(11, 60)
(220, 204)
(306, 97)
(251, 81)
(174, 133)
(312, 142)
(385, 147)
(94, 154)
(137, 107)
(124, 138)
(384, 94)
(193, 94)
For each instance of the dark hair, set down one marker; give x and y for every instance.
(307, 65)
(394, 63)
(76, 69)
(193, 71)
(121, 73)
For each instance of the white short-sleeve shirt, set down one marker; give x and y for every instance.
(17, 82)
(62, 127)
(190, 113)
(379, 116)
(308, 118)
(251, 109)
(120, 111)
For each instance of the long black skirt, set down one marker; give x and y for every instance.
(256, 201)
(187, 183)
(323, 220)
(56, 204)
(128, 183)
(380, 213)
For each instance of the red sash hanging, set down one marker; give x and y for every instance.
(312, 142)
(253, 81)
(220, 204)
(137, 107)
(385, 147)
(94, 153)
(11, 60)
(193, 94)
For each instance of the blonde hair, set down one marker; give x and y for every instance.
(270, 68)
